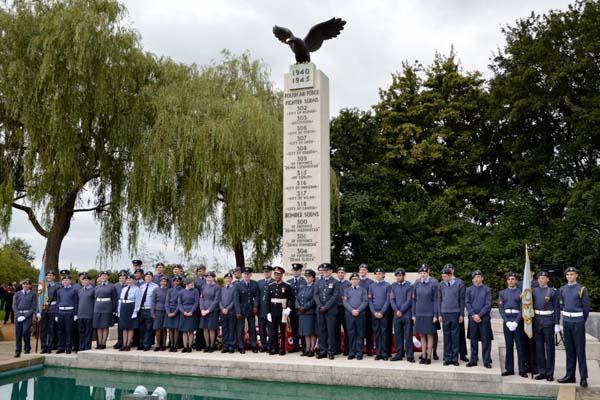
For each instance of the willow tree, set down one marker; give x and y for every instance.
(74, 101)
(212, 163)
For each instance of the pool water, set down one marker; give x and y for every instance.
(80, 384)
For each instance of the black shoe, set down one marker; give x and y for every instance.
(17, 355)
(117, 346)
(378, 357)
(27, 351)
(410, 360)
(282, 353)
(68, 351)
(487, 365)
(255, 350)
(146, 348)
(60, 351)
(242, 351)
(303, 354)
(157, 349)
(345, 353)
(263, 350)
(566, 379)
(447, 363)
(294, 350)
(224, 351)
(321, 355)
(523, 374)
(397, 357)
(211, 349)
(273, 352)
(550, 378)
(428, 361)
(174, 350)
(472, 364)
(351, 357)
(359, 357)
(368, 353)
(310, 354)
(331, 356)
(456, 363)
(540, 377)
(508, 372)
(464, 358)
(140, 347)
(422, 361)
(435, 356)
(583, 383)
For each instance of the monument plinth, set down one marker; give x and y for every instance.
(306, 180)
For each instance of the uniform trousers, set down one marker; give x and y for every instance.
(340, 322)
(544, 348)
(356, 333)
(65, 330)
(277, 331)
(574, 333)
(146, 328)
(451, 336)
(380, 329)
(403, 334)
(241, 325)
(23, 334)
(514, 339)
(47, 330)
(228, 330)
(264, 330)
(481, 332)
(84, 325)
(295, 326)
(327, 331)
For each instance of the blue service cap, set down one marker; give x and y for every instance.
(310, 272)
(365, 266)
(177, 278)
(123, 273)
(571, 269)
(297, 266)
(379, 269)
(354, 275)
(50, 273)
(446, 271)
(27, 281)
(248, 270)
(228, 275)
(476, 272)
(511, 274)
(211, 273)
(136, 262)
(424, 268)
(400, 271)
(326, 266)
(149, 273)
(267, 268)
(187, 281)
(542, 273)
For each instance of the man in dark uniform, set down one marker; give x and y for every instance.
(246, 308)
(263, 323)
(478, 300)
(85, 313)
(23, 306)
(510, 308)
(401, 303)
(118, 288)
(279, 299)
(326, 296)
(67, 313)
(200, 281)
(545, 324)
(576, 309)
(365, 283)
(356, 302)
(135, 264)
(237, 275)
(146, 333)
(295, 282)
(159, 273)
(462, 347)
(46, 318)
(340, 322)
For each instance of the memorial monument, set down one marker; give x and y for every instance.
(306, 176)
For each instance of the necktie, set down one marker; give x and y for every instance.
(127, 292)
(144, 295)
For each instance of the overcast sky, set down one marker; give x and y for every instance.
(379, 35)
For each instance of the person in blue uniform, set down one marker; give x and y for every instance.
(85, 313)
(478, 300)
(209, 311)
(356, 303)
(139, 277)
(118, 288)
(157, 311)
(263, 324)
(159, 273)
(66, 301)
(295, 282)
(340, 321)
(326, 295)
(451, 305)
(307, 313)
(227, 313)
(279, 301)
(23, 306)
(510, 308)
(47, 331)
(462, 348)
(128, 309)
(146, 328)
(246, 301)
(423, 311)
(546, 322)
(188, 305)
(401, 304)
(576, 309)
(379, 303)
(171, 322)
(105, 304)
(200, 281)
(365, 282)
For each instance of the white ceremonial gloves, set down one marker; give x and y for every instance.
(134, 315)
(287, 312)
(75, 318)
(269, 318)
(38, 315)
(55, 319)
(21, 318)
(557, 328)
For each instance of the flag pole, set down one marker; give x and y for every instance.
(527, 308)
(42, 294)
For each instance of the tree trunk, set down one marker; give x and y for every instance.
(239, 255)
(60, 227)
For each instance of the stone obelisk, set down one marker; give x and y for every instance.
(306, 179)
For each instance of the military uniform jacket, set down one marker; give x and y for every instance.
(67, 297)
(401, 298)
(326, 294)
(281, 291)
(546, 299)
(188, 300)
(424, 296)
(510, 299)
(355, 298)
(306, 299)
(200, 282)
(24, 303)
(227, 300)
(87, 298)
(105, 291)
(51, 303)
(157, 279)
(246, 298)
(343, 286)
(478, 300)
(575, 300)
(295, 284)
(210, 297)
(263, 284)
(159, 298)
(171, 301)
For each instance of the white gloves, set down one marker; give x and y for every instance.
(557, 328)
(287, 312)
(75, 318)
(512, 325)
(55, 319)
(134, 315)
(21, 318)
(269, 318)
(38, 315)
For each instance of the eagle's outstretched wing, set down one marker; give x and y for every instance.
(282, 34)
(323, 31)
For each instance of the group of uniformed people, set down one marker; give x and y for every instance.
(151, 307)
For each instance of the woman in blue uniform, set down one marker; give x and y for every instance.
(307, 312)
(104, 306)
(157, 311)
(129, 305)
(188, 313)
(172, 317)
(209, 311)
(424, 311)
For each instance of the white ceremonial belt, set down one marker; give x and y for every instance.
(512, 311)
(66, 308)
(279, 301)
(23, 311)
(52, 303)
(103, 299)
(145, 308)
(127, 301)
(544, 312)
(572, 314)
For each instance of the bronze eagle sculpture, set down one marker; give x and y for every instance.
(313, 40)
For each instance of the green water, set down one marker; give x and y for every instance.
(80, 384)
